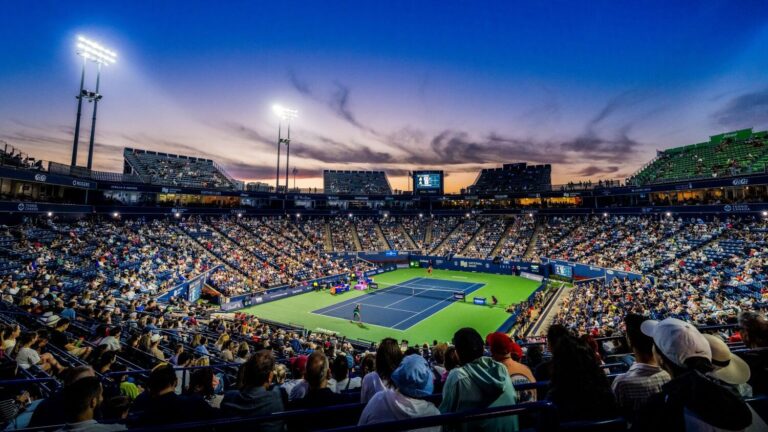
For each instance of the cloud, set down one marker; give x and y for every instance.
(592, 170)
(746, 110)
(591, 146)
(300, 86)
(328, 150)
(339, 104)
(248, 133)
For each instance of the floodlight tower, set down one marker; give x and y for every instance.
(284, 114)
(90, 50)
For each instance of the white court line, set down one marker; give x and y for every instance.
(431, 307)
(344, 303)
(390, 308)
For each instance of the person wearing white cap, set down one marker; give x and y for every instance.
(693, 400)
(414, 381)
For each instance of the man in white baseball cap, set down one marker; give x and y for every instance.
(693, 400)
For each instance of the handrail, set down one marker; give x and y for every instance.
(450, 418)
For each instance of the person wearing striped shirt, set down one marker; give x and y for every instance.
(644, 378)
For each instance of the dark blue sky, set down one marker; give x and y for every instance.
(592, 87)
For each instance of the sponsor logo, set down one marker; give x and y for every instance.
(361, 198)
(80, 183)
(740, 181)
(736, 208)
(501, 196)
(41, 177)
(27, 207)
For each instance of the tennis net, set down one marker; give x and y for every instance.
(433, 293)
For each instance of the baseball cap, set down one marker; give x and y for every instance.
(728, 367)
(500, 343)
(413, 377)
(677, 340)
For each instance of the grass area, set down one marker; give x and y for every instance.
(298, 309)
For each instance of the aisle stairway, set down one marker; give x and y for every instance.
(550, 312)
(381, 239)
(503, 239)
(411, 243)
(532, 243)
(327, 239)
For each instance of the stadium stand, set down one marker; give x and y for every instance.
(88, 289)
(176, 170)
(727, 154)
(516, 177)
(356, 182)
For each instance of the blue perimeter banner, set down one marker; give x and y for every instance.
(190, 290)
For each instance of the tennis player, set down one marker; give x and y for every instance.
(429, 269)
(356, 314)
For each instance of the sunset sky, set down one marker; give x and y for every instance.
(592, 87)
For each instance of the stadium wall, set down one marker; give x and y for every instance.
(278, 293)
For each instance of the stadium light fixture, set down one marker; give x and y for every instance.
(97, 53)
(115, 215)
(298, 215)
(668, 214)
(177, 214)
(239, 215)
(467, 214)
(605, 214)
(765, 213)
(350, 215)
(421, 215)
(51, 214)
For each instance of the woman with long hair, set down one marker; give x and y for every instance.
(388, 358)
(579, 387)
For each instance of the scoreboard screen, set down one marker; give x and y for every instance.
(428, 182)
(563, 270)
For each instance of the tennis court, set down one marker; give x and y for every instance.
(317, 311)
(401, 306)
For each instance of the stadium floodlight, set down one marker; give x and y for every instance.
(298, 215)
(467, 214)
(421, 215)
(350, 215)
(95, 52)
(765, 213)
(668, 214)
(115, 215)
(239, 215)
(605, 214)
(51, 214)
(177, 214)
(285, 115)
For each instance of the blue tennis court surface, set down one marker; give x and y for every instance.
(402, 305)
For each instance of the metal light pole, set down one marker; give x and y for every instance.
(79, 111)
(90, 50)
(287, 154)
(279, 141)
(284, 114)
(93, 121)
